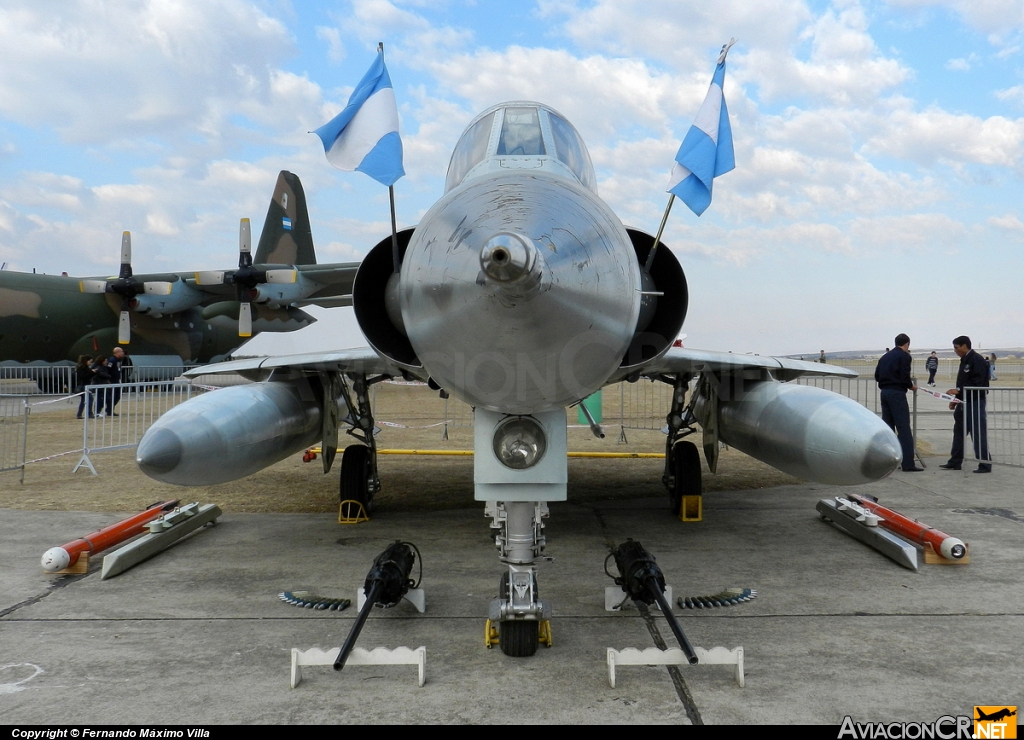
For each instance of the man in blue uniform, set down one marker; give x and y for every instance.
(893, 377)
(973, 373)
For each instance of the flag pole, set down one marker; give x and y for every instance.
(395, 258)
(657, 239)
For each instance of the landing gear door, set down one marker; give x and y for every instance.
(331, 383)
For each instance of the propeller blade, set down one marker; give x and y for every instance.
(282, 277)
(245, 319)
(124, 328)
(92, 286)
(210, 277)
(126, 255)
(244, 239)
(158, 287)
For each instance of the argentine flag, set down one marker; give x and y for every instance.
(364, 136)
(706, 152)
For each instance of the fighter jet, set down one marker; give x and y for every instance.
(197, 316)
(521, 293)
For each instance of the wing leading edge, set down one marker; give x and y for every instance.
(685, 360)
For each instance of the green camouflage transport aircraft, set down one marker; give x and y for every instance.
(197, 316)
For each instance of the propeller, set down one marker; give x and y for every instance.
(245, 278)
(125, 286)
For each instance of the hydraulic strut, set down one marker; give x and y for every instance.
(642, 580)
(386, 583)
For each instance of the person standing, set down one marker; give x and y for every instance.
(992, 367)
(821, 358)
(100, 379)
(973, 373)
(893, 377)
(931, 365)
(117, 359)
(83, 377)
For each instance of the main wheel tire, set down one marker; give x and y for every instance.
(687, 474)
(518, 637)
(355, 476)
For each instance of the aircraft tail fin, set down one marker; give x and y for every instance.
(287, 238)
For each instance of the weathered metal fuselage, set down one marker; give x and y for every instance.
(543, 325)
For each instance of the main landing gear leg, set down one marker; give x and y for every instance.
(682, 475)
(359, 480)
(522, 617)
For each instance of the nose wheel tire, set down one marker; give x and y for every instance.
(518, 637)
(355, 476)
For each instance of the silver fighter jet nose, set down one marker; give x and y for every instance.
(882, 456)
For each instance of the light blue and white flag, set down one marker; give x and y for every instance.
(364, 136)
(706, 152)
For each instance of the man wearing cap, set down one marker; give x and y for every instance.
(893, 377)
(973, 373)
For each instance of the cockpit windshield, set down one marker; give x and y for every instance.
(516, 135)
(520, 133)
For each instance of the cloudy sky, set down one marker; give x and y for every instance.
(879, 144)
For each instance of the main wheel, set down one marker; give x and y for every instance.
(518, 637)
(686, 472)
(355, 476)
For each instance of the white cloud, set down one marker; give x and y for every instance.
(1012, 94)
(998, 18)
(935, 135)
(1009, 222)
(335, 47)
(118, 70)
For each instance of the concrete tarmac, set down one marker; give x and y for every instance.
(197, 635)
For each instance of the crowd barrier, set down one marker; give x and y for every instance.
(119, 414)
(60, 379)
(997, 422)
(13, 433)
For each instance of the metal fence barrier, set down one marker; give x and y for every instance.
(13, 433)
(862, 390)
(60, 379)
(947, 370)
(995, 418)
(119, 414)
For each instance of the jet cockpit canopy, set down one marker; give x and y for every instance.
(520, 135)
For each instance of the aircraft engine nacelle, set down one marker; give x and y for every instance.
(375, 303)
(161, 297)
(230, 433)
(663, 304)
(808, 432)
(283, 287)
(520, 292)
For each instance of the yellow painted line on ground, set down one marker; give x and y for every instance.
(469, 452)
(571, 454)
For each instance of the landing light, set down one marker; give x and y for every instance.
(519, 442)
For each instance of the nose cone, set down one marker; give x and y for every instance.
(507, 257)
(882, 455)
(159, 453)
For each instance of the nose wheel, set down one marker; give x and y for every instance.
(518, 638)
